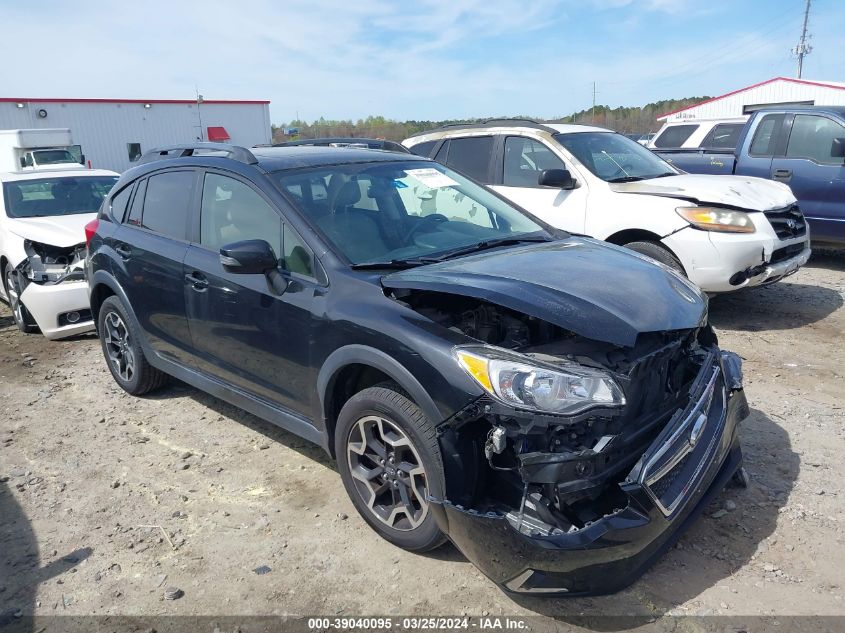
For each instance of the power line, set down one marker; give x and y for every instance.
(803, 47)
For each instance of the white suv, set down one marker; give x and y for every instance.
(714, 229)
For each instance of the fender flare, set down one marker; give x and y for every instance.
(365, 355)
(106, 279)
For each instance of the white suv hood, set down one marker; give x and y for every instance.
(55, 230)
(743, 192)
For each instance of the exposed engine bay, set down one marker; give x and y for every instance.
(49, 265)
(547, 473)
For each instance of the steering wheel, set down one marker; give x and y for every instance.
(434, 218)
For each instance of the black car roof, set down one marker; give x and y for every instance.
(296, 156)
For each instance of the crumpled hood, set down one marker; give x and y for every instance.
(741, 192)
(598, 291)
(55, 230)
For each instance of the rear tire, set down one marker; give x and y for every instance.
(23, 319)
(389, 460)
(659, 253)
(122, 349)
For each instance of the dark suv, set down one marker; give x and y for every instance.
(556, 406)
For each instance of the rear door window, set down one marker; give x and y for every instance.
(167, 203)
(137, 208)
(675, 136)
(766, 135)
(471, 156)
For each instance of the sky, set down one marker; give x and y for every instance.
(420, 59)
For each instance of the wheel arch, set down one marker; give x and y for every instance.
(354, 367)
(620, 238)
(103, 285)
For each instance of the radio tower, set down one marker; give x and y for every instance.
(803, 48)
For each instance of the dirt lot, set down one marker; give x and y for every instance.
(106, 499)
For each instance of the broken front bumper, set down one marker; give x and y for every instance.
(55, 306)
(687, 465)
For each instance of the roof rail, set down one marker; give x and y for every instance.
(234, 152)
(491, 122)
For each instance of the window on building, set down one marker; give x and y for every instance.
(167, 203)
(134, 151)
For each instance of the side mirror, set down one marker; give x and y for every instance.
(837, 148)
(248, 257)
(557, 178)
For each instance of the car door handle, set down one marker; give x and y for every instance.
(782, 174)
(123, 250)
(197, 281)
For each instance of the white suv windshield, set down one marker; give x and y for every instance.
(385, 212)
(60, 195)
(613, 157)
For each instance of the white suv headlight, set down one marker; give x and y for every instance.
(521, 382)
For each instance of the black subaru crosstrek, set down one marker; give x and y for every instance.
(556, 406)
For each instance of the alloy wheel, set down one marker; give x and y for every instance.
(118, 346)
(387, 472)
(14, 294)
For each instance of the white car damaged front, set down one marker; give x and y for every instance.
(42, 247)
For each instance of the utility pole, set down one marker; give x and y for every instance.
(803, 48)
(593, 109)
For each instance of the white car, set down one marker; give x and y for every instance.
(722, 232)
(698, 134)
(43, 243)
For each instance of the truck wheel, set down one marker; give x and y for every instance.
(659, 253)
(389, 461)
(23, 319)
(122, 349)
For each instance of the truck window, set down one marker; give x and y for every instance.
(675, 135)
(423, 149)
(471, 156)
(723, 136)
(766, 135)
(812, 137)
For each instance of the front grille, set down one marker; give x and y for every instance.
(787, 252)
(674, 464)
(788, 222)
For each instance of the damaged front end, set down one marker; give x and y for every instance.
(584, 457)
(50, 285)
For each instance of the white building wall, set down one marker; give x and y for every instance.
(103, 129)
(776, 92)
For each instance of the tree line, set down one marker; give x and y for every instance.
(627, 120)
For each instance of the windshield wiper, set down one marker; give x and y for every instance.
(394, 264)
(665, 174)
(626, 179)
(488, 244)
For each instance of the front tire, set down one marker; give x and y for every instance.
(389, 461)
(659, 253)
(122, 349)
(23, 319)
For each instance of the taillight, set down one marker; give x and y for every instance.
(90, 229)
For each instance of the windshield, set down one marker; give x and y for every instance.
(53, 156)
(60, 195)
(613, 157)
(391, 211)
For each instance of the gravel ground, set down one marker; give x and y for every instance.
(107, 500)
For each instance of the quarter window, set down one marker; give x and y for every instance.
(723, 136)
(675, 136)
(118, 203)
(298, 258)
(766, 135)
(167, 203)
(812, 138)
(525, 159)
(423, 149)
(135, 212)
(471, 156)
(233, 211)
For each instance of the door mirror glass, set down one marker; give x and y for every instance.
(248, 257)
(837, 148)
(558, 178)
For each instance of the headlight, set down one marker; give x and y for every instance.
(517, 381)
(716, 219)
